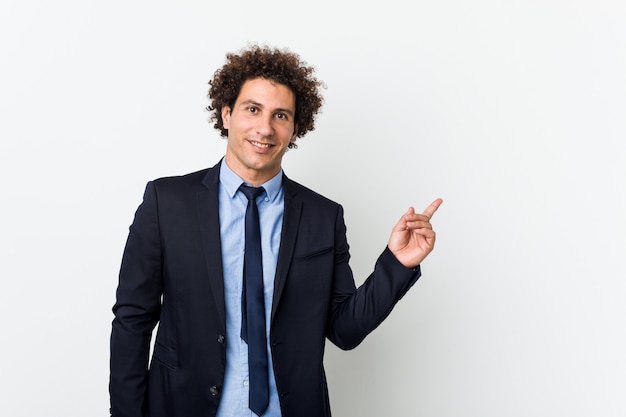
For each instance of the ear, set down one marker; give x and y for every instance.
(226, 116)
(295, 133)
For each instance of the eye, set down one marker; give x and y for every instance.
(282, 116)
(252, 109)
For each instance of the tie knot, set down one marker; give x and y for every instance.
(251, 192)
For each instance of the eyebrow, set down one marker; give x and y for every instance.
(255, 103)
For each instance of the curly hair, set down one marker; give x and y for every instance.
(273, 64)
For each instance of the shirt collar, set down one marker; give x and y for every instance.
(231, 182)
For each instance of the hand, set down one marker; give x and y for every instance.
(413, 237)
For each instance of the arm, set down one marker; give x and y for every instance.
(136, 311)
(357, 312)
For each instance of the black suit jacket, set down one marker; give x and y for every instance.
(171, 274)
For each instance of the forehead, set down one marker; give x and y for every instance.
(267, 93)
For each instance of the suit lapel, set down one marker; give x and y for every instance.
(209, 222)
(208, 218)
(291, 222)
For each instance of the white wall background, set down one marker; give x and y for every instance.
(512, 111)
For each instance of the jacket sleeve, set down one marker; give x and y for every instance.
(136, 310)
(356, 312)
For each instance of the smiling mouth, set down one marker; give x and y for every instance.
(260, 144)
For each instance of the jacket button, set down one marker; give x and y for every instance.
(214, 391)
(221, 338)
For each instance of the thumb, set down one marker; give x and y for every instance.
(401, 225)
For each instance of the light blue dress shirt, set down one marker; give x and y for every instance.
(232, 207)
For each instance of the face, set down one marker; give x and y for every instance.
(260, 127)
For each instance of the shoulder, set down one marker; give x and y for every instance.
(180, 180)
(296, 190)
(202, 179)
(178, 186)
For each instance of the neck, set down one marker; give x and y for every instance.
(254, 177)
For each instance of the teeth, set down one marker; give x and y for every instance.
(261, 145)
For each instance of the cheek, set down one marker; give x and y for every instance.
(289, 134)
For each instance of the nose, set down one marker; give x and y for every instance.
(264, 126)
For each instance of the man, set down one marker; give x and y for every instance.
(186, 266)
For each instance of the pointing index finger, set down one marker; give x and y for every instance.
(430, 210)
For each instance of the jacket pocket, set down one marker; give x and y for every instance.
(165, 356)
(312, 254)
